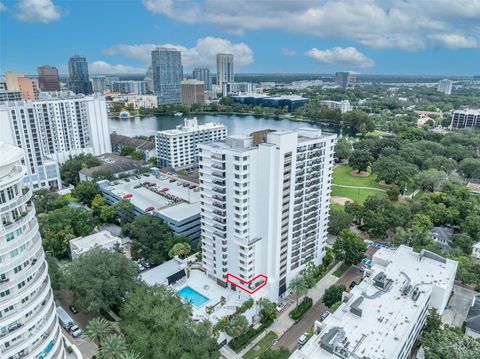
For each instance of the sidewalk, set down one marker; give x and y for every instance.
(283, 321)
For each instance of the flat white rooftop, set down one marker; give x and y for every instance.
(159, 274)
(190, 126)
(380, 311)
(102, 238)
(145, 196)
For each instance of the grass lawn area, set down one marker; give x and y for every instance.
(342, 269)
(263, 345)
(356, 194)
(337, 207)
(375, 133)
(342, 175)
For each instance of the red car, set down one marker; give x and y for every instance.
(127, 196)
(164, 189)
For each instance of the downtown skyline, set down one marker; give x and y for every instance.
(264, 37)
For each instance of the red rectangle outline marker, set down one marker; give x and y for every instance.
(247, 282)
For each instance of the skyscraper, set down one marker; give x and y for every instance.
(167, 74)
(345, 79)
(79, 81)
(48, 78)
(203, 74)
(265, 205)
(51, 130)
(445, 86)
(11, 79)
(225, 69)
(28, 324)
(29, 88)
(193, 91)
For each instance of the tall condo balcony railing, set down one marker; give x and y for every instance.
(219, 205)
(219, 198)
(218, 174)
(218, 167)
(219, 190)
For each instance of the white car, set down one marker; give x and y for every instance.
(75, 331)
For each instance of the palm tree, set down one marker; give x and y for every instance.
(97, 329)
(131, 355)
(113, 347)
(298, 286)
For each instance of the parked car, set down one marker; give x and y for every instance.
(146, 175)
(137, 186)
(302, 340)
(172, 180)
(127, 180)
(325, 315)
(144, 263)
(73, 309)
(152, 184)
(353, 284)
(148, 209)
(75, 331)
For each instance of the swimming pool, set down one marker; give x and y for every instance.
(192, 296)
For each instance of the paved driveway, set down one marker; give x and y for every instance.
(458, 306)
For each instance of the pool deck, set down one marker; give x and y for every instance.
(208, 287)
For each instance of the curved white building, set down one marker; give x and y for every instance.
(28, 324)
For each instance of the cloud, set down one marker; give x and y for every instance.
(102, 67)
(288, 52)
(348, 56)
(2, 7)
(42, 11)
(408, 25)
(203, 54)
(455, 41)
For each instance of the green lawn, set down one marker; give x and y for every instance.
(342, 175)
(357, 195)
(337, 207)
(263, 345)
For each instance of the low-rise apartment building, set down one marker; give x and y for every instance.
(178, 148)
(382, 317)
(465, 118)
(175, 201)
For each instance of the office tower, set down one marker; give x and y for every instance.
(11, 80)
(203, 74)
(236, 88)
(51, 130)
(345, 79)
(383, 316)
(29, 88)
(445, 86)
(179, 147)
(225, 69)
(167, 73)
(265, 206)
(28, 322)
(149, 79)
(193, 91)
(79, 81)
(465, 118)
(131, 87)
(48, 78)
(99, 84)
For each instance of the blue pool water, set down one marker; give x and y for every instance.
(192, 296)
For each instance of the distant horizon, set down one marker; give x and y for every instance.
(265, 37)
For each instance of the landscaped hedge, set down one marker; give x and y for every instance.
(305, 305)
(242, 341)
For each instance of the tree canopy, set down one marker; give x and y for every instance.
(153, 315)
(69, 170)
(349, 247)
(100, 279)
(151, 238)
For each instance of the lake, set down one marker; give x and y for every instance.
(236, 125)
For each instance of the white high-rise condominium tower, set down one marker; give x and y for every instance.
(445, 86)
(52, 130)
(264, 205)
(28, 323)
(225, 69)
(178, 147)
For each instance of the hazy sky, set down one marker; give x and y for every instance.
(366, 36)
